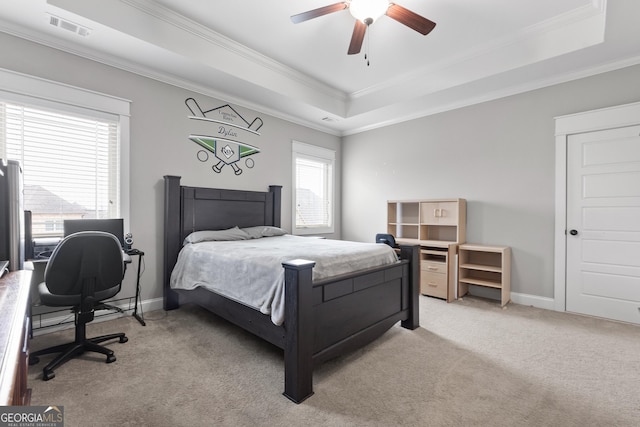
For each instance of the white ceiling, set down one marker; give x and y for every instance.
(251, 54)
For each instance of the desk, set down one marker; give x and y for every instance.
(40, 265)
(139, 317)
(14, 343)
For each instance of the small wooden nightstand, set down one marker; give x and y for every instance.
(488, 266)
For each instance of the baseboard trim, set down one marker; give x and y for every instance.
(533, 300)
(516, 298)
(53, 322)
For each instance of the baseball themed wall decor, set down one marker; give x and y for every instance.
(225, 145)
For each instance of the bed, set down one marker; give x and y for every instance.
(323, 318)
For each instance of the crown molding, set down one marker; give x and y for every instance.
(187, 25)
(154, 74)
(502, 93)
(344, 126)
(554, 23)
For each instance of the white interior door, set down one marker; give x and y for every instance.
(603, 224)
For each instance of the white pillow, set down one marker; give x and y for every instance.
(217, 235)
(263, 231)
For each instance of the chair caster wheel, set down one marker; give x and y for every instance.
(48, 375)
(124, 339)
(111, 358)
(33, 360)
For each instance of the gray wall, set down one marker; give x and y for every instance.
(160, 145)
(498, 155)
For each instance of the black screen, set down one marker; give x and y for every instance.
(114, 226)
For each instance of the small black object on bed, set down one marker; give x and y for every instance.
(323, 319)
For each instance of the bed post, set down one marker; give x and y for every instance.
(412, 253)
(172, 242)
(277, 204)
(298, 325)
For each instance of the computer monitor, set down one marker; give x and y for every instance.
(114, 226)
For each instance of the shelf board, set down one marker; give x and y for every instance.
(480, 282)
(438, 251)
(482, 267)
(433, 243)
(482, 248)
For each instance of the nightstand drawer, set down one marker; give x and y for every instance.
(433, 267)
(433, 284)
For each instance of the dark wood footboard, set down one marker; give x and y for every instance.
(324, 319)
(329, 318)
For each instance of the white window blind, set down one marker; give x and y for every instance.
(313, 182)
(70, 164)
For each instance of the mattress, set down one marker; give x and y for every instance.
(251, 272)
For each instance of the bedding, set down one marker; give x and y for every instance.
(264, 231)
(250, 271)
(234, 233)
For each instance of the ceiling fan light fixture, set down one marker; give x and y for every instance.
(367, 11)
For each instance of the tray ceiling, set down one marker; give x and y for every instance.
(250, 53)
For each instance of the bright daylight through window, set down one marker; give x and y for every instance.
(70, 163)
(313, 169)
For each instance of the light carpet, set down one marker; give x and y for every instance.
(470, 364)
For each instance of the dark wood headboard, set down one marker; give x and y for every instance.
(189, 209)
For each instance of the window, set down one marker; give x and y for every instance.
(70, 164)
(72, 156)
(313, 204)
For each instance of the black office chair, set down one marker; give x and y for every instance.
(84, 269)
(387, 239)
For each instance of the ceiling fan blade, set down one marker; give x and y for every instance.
(357, 38)
(410, 19)
(310, 14)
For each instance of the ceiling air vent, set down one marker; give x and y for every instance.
(69, 26)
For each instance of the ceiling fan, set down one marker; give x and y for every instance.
(366, 12)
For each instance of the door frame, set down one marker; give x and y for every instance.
(588, 121)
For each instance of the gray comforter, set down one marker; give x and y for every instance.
(251, 272)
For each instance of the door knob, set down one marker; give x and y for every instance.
(573, 232)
